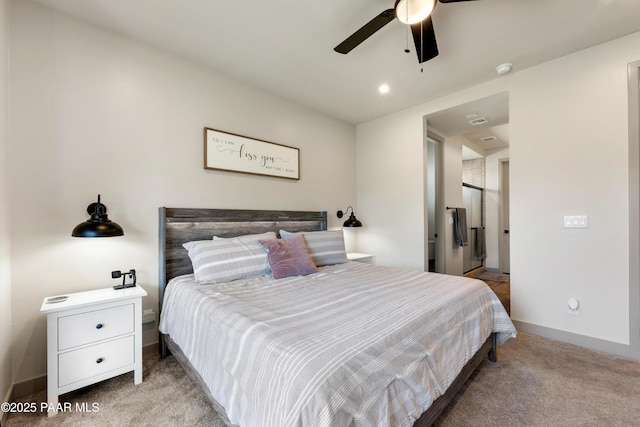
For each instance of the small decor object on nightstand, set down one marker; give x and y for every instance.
(132, 275)
(92, 336)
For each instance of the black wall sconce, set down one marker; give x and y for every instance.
(352, 221)
(98, 225)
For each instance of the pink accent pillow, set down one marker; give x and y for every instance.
(289, 257)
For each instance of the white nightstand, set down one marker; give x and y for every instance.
(354, 256)
(92, 336)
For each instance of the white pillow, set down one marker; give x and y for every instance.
(325, 247)
(224, 260)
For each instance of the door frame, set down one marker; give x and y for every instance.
(504, 251)
(439, 203)
(633, 76)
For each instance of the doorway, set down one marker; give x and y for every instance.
(459, 126)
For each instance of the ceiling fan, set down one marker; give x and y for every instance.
(415, 13)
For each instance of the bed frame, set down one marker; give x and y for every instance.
(181, 225)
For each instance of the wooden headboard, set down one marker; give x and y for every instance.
(181, 225)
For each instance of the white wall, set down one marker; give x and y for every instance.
(391, 190)
(452, 165)
(93, 112)
(5, 238)
(568, 156)
(390, 174)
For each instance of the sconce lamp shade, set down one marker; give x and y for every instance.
(98, 225)
(352, 221)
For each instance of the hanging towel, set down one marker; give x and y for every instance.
(479, 249)
(460, 226)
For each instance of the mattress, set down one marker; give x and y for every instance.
(354, 344)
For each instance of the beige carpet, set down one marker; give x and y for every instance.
(500, 283)
(492, 277)
(503, 292)
(536, 382)
(166, 397)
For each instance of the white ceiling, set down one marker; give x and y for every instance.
(285, 47)
(455, 121)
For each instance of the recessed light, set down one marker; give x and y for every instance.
(383, 88)
(478, 121)
(488, 138)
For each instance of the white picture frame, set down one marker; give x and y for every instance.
(237, 153)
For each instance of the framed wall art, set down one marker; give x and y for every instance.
(236, 153)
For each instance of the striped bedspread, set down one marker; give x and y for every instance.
(354, 344)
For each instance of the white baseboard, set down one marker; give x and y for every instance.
(150, 349)
(4, 416)
(597, 344)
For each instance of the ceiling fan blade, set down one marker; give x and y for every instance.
(366, 31)
(424, 38)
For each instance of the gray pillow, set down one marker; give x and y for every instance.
(325, 247)
(224, 260)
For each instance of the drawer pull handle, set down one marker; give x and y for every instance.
(100, 360)
(99, 326)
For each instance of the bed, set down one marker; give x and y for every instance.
(346, 344)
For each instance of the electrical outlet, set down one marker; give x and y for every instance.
(148, 316)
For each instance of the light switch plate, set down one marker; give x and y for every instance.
(576, 221)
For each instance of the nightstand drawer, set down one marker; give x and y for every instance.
(92, 326)
(88, 362)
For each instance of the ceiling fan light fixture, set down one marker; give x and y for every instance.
(413, 11)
